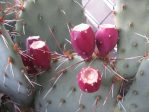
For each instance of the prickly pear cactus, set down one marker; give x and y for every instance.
(66, 87)
(133, 34)
(61, 93)
(12, 78)
(50, 19)
(136, 99)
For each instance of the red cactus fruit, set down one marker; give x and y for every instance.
(30, 40)
(106, 39)
(28, 63)
(40, 52)
(83, 40)
(89, 79)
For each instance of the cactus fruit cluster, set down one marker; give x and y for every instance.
(53, 61)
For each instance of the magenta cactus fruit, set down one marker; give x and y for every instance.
(40, 53)
(26, 58)
(89, 79)
(83, 40)
(28, 63)
(106, 39)
(30, 40)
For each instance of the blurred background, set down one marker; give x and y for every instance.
(99, 11)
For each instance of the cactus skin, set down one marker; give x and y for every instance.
(130, 21)
(136, 100)
(13, 84)
(42, 16)
(58, 99)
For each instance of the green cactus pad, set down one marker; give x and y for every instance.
(46, 16)
(65, 93)
(12, 80)
(136, 100)
(131, 17)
